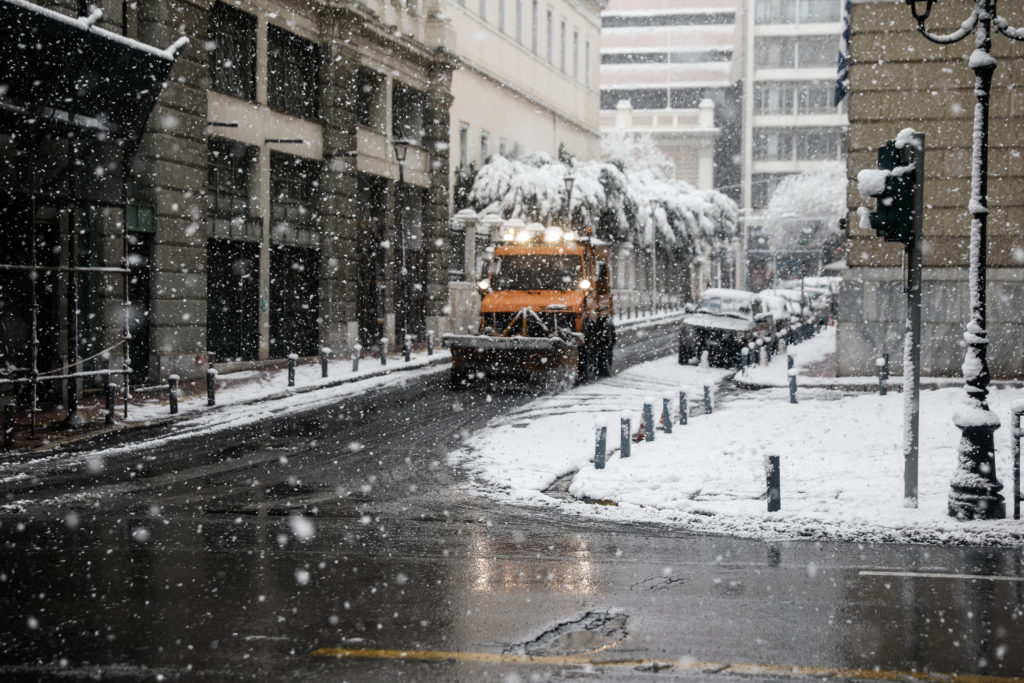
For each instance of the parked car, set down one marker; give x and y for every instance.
(784, 311)
(724, 321)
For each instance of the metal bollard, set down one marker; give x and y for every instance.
(781, 345)
(324, 353)
(768, 349)
(880, 363)
(757, 351)
(10, 411)
(108, 417)
(666, 414)
(1016, 434)
(789, 362)
(430, 342)
(744, 359)
(792, 385)
(407, 347)
(383, 350)
(683, 409)
(649, 420)
(773, 478)
(292, 358)
(625, 437)
(172, 387)
(211, 387)
(707, 400)
(600, 446)
(356, 350)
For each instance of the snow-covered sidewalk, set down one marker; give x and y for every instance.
(841, 457)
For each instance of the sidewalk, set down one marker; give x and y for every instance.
(841, 455)
(149, 406)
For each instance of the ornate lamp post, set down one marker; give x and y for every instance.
(401, 149)
(974, 491)
(569, 180)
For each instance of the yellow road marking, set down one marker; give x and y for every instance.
(681, 664)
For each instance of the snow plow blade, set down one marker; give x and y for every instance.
(547, 360)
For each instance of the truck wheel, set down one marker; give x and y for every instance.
(458, 378)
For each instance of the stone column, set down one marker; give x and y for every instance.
(339, 193)
(436, 123)
(171, 174)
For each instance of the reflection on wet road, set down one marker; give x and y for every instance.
(337, 546)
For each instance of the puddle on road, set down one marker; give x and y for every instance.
(592, 632)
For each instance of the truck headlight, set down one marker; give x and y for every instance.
(484, 284)
(584, 284)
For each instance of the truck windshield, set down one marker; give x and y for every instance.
(537, 271)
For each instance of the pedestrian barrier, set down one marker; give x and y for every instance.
(883, 372)
(325, 352)
(773, 479)
(1016, 434)
(292, 360)
(172, 391)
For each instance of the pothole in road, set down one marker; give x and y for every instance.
(592, 632)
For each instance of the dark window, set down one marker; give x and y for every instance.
(686, 98)
(228, 191)
(642, 98)
(407, 112)
(293, 185)
(457, 252)
(817, 51)
(634, 57)
(293, 66)
(232, 52)
(696, 57)
(369, 93)
(678, 19)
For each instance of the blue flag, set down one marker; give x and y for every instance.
(843, 72)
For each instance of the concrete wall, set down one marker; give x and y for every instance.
(898, 80)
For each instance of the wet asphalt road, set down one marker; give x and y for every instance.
(339, 546)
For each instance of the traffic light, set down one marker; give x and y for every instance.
(892, 186)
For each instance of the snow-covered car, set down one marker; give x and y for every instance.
(725, 320)
(783, 311)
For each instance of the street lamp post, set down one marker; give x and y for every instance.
(974, 491)
(569, 180)
(401, 149)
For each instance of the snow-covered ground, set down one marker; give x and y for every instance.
(841, 457)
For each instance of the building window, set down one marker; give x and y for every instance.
(501, 15)
(551, 37)
(534, 26)
(816, 51)
(786, 52)
(463, 145)
(771, 144)
(293, 186)
(232, 35)
(519, 21)
(457, 252)
(228, 191)
(576, 55)
(561, 46)
(370, 99)
(485, 146)
(776, 12)
(586, 63)
(293, 74)
(406, 112)
(774, 97)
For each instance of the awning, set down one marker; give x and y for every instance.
(74, 101)
(70, 71)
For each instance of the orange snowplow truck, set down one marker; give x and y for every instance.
(546, 311)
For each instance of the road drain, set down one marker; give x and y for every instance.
(591, 632)
(560, 487)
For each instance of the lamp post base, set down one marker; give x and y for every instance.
(974, 491)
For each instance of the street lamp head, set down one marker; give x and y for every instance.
(569, 180)
(401, 148)
(920, 15)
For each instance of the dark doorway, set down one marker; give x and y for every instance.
(232, 299)
(16, 248)
(371, 285)
(140, 249)
(294, 301)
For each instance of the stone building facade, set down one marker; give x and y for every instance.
(269, 213)
(898, 79)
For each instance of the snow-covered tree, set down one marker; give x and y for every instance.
(631, 198)
(805, 208)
